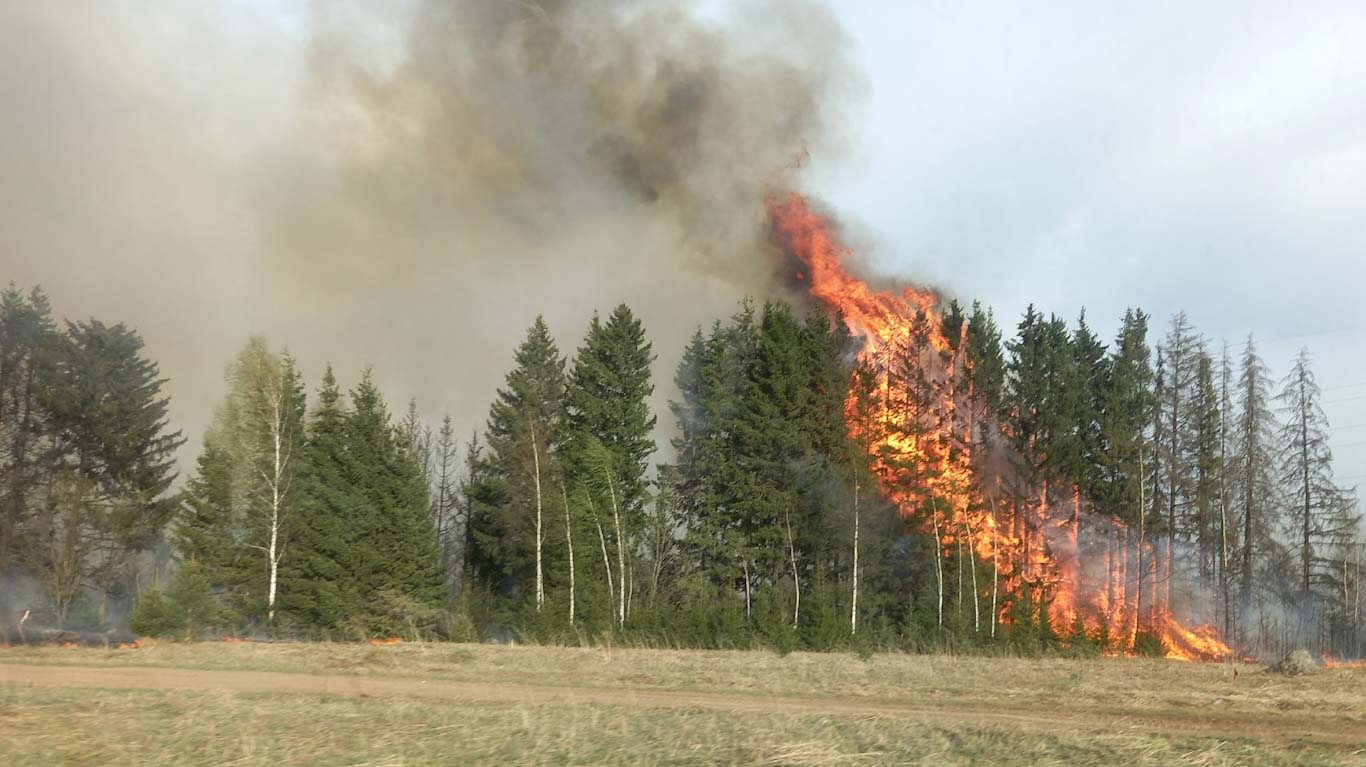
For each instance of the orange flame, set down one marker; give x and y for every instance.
(386, 641)
(923, 456)
(1329, 662)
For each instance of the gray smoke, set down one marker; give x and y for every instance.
(404, 185)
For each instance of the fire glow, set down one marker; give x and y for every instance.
(1093, 572)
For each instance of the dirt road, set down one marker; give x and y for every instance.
(1208, 723)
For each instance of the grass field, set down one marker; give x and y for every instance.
(245, 703)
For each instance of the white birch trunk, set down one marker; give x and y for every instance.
(796, 579)
(972, 561)
(744, 563)
(569, 544)
(853, 607)
(621, 553)
(540, 572)
(274, 551)
(938, 564)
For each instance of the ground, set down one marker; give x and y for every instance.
(273, 704)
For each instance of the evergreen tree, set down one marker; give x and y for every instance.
(525, 434)
(1207, 433)
(110, 460)
(366, 557)
(1254, 438)
(1316, 518)
(607, 399)
(395, 560)
(986, 375)
(1091, 366)
(207, 528)
(318, 578)
(28, 339)
(1126, 416)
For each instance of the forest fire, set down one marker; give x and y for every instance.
(913, 409)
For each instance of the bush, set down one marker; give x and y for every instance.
(1149, 645)
(185, 611)
(152, 616)
(1296, 663)
(393, 613)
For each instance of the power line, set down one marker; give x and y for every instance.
(1344, 399)
(1311, 334)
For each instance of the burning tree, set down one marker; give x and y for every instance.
(1021, 506)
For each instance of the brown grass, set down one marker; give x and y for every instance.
(1261, 711)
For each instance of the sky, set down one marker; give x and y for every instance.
(1205, 158)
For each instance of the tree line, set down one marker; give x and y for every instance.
(772, 521)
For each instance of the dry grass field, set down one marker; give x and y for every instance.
(247, 703)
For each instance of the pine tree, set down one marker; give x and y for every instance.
(111, 463)
(1254, 437)
(366, 558)
(1207, 434)
(1315, 520)
(1126, 416)
(319, 576)
(525, 434)
(28, 339)
(395, 559)
(207, 528)
(607, 398)
(606, 403)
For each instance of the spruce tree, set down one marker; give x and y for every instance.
(113, 457)
(1315, 520)
(1126, 416)
(395, 559)
(28, 338)
(319, 577)
(514, 502)
(607, 399)
(1254, 440)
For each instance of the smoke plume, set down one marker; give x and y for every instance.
(404, 185)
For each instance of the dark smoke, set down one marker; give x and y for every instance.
(404, 185)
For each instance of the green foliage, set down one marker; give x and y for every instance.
(515, 478)
(186, 610)
(365, 560)
(1148, 645)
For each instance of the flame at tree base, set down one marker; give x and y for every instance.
(1090, 573)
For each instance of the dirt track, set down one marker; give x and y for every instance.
(1198, 724)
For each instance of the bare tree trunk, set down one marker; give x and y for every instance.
(606, 562)
(796, 579)
(1138, 605)
(540, 570)
(959, 542)
(569, 544)
(744, 563)
(995, 566)
(972, 561)
(938, 563)
(277, 427)
(621, 552)
(853, 607)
